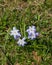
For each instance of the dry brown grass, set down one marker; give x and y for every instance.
(36, 57)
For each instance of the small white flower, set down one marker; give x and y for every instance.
(31, 29)
(15, 33)
(21, 42)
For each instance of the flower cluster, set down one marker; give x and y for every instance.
(32, 34)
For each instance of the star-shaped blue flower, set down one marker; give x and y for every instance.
(32, 34)
(15, 33)
(21, 42)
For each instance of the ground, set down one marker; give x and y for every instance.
(21, 14)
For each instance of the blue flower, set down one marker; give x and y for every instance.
(31, 29)
(32, 34)
(15, 33)
(21, 42)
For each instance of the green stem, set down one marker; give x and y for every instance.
(24, 30)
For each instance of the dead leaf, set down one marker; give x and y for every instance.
(36, 57)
